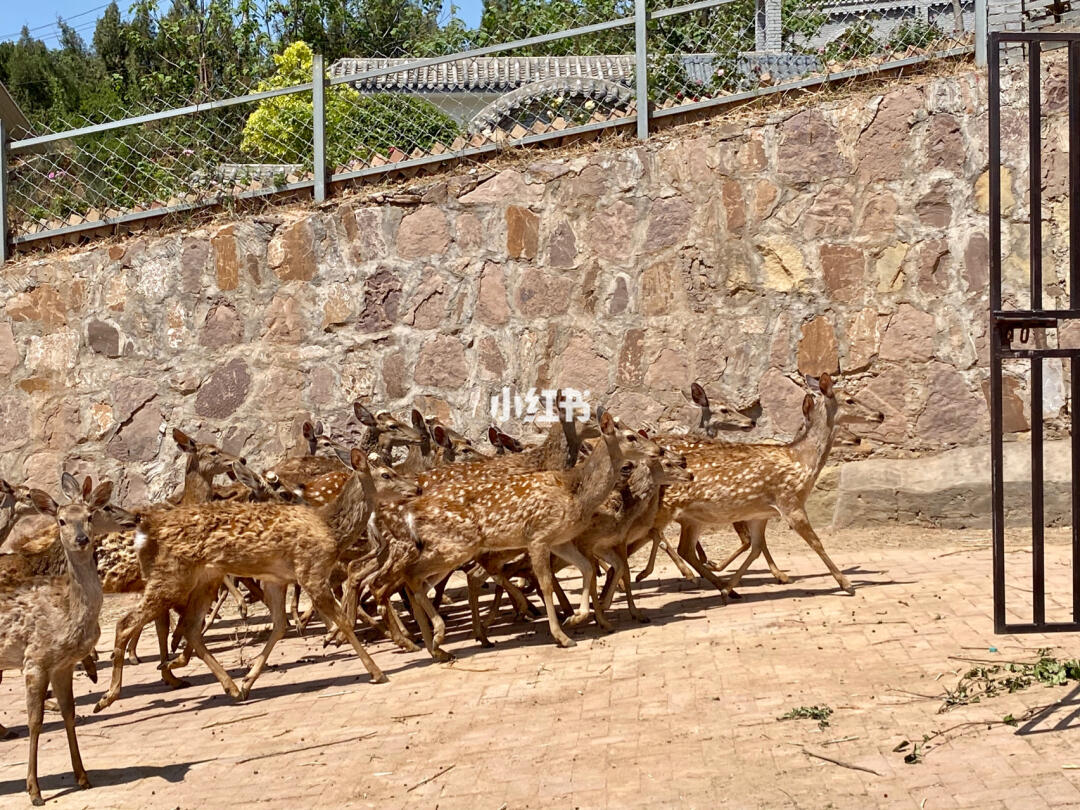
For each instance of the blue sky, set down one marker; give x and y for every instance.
(83, 14)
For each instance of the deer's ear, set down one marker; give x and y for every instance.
(366, 417)
(607, 424)
(812, 383)
(70, 487)
(643, 433)
(244, 475)
(493, 436)
(418, 421)
(100, 496)
(357, 460)
(309, 431)
(43, 502)
(441, 437)
(807, 406)
(183, 441)
(6, 489)
(697, 393)
(87, 488)
(825, 384)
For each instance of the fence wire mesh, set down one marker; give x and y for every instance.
(409, 81)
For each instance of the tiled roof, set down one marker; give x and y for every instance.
(484, 73)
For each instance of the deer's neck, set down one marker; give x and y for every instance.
(551, 454)
(348, 515)
(812, 446)
(85, 587)
(593, 481)
(198, 484)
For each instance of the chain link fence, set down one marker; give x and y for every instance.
(384, 100)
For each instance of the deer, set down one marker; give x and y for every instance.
(49, 623)
(118, 562)
(753, 483)
(729, 419)
(14, 505)
(628, 515)
(186, 551)
(540, 512)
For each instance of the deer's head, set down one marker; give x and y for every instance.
(73, 518)
(846, 410)
(717, 417)
(205, 458)
(389, 483)
(388, 431)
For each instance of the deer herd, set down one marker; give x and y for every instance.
(368, 539)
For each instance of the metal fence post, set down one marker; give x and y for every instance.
(318, 105)
(642, 72)
(3, 194)
(980, 33)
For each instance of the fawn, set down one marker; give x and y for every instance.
(49, 623)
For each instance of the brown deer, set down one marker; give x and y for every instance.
(728, 419)
(540, 512)
(49, 623)
(753, 483)
(14, 505)
(187, 550)
(118, 562)
(626, 516)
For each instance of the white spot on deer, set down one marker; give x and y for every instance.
(141, 539)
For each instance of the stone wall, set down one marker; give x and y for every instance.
(847, 237)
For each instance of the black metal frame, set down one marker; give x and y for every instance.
(1005, 323)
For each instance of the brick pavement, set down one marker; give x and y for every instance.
(680, 712)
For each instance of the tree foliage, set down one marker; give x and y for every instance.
(357, 126)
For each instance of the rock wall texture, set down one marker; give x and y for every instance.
(848, 237)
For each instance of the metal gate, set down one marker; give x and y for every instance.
(1021, 333)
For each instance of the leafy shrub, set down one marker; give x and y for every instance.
(856, 42)
(357, 126)
(915, 34)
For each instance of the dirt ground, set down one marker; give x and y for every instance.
(682, 711)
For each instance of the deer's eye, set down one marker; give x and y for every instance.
(386, 476)
(62, 522)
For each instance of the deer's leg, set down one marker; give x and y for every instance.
(798, 520)
(778, 575)
(37, 682)
(757, 540)
(130, 624)
(680, 563)
(274, 594)
(61, 686)
(191, 619)
(428, 611)
(475, 578)
(623, 556)
(744, 544)
(132, 647)
(241, 603)
(398, 634)
(656, 539)
(161, 623)
(571, 554)
(440, 588)
(688, 536)
(540, 556)
(294, 609)
(324, 602)
(222, 596)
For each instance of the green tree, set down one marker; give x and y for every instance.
(357, 126)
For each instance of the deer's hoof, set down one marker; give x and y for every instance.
(783, 578)
(566, 642)
(442, 656)
(84, 782)
(641, 617)
(104, 703)
(381, 678)
(486, 643)
(36, 800)
(577, 620)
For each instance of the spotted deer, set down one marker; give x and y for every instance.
(627, 515)
(726, 419)
(186, 551)
(49, 623)
(118, 562)
(753, 483)
(540, 512)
